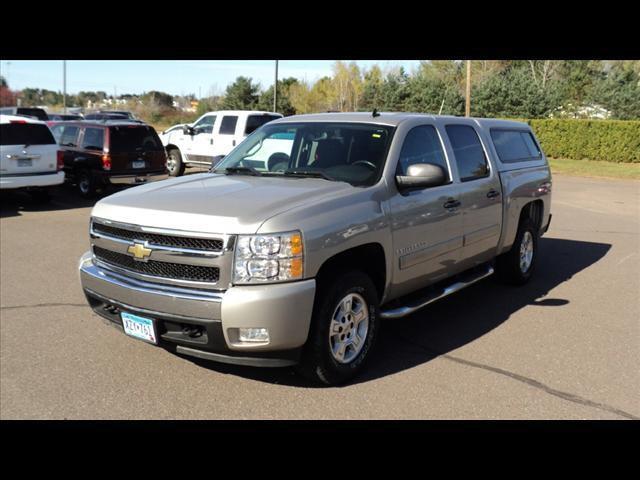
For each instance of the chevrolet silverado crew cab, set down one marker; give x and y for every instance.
(294, 256)
(211, 137)
(30, 158)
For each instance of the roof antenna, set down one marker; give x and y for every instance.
(375, 113)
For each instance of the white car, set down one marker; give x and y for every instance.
(211, 137)
(29, 156)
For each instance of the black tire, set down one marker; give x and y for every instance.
(175, 166)
(508, 268)
(87, 184)
(40, 196)
(318, 363)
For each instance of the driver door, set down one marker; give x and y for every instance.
(201, 143)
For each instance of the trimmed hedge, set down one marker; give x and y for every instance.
(607, 140)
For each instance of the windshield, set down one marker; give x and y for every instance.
(348, 152)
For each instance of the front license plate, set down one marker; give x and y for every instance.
(138, 164)
(139, 327)
(25, 162)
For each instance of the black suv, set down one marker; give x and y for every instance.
(100, 153)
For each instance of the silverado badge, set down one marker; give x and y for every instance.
(139, 251)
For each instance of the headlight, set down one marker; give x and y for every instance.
(268, 258)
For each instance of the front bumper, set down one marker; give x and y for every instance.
(29, 181)
(285, 309)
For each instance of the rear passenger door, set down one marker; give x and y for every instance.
(427, 235)
(480, 195)
(225, 140)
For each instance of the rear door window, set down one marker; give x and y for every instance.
(132, 138)
(254, 122)
(93, 139)
(228, 125)
(69, 136)
(25, 134)
(470, 157)
(515, 146)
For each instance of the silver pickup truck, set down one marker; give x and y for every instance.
(294, 256)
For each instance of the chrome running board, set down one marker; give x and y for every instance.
(416, 305)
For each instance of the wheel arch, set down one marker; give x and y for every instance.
(369, 258)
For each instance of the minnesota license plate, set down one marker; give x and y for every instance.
(138, 164)
(25, 162)
(139, 327)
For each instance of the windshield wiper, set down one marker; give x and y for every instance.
(242, 171)
(308, 173)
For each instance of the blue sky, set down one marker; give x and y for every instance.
(176, 77)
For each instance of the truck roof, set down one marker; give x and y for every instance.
(393, 118)
(242, 112)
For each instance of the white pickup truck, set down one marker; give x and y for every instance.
(211, 137)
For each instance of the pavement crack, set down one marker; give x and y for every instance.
(526, 380)
(40, 305)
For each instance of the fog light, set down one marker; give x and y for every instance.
(254, 335)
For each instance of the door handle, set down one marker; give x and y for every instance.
(234, 143)
(493, 193)
(452, 203)
(211, 141)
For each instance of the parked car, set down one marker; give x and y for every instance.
(101, 153)
(106, 116)
(211, 137)
(110, 114)
(30, 158)
(32, 112)
(64, 116)
(371, 216)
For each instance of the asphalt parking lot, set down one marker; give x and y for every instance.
(566, 346)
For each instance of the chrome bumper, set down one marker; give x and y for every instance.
(137, 179)
(285, 309)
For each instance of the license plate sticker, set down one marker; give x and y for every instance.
(139, 327)
(25, 162)
(138, 164)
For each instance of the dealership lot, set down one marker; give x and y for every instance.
(566, 346)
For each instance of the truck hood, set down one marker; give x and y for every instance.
(214, 203)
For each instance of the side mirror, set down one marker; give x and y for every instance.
(421, 175)
(187, 130)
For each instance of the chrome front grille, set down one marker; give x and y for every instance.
(210, 244)
(177, 271)
(171, 257)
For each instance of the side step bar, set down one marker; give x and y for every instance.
(405, 310)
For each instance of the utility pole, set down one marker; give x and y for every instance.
(467, 108)
(64, 86)
(275, 90)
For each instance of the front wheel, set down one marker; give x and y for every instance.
(175, 167)
(343, 329)
(517, 265)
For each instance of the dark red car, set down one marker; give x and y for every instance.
(101, 153)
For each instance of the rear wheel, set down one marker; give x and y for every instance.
(517, 265)
(343, 329)
(87, 185)
(175, 166)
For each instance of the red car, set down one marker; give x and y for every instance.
(100, 153)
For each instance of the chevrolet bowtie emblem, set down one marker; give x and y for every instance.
(139, 251)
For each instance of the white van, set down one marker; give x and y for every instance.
(29, 156)
(211, 137)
